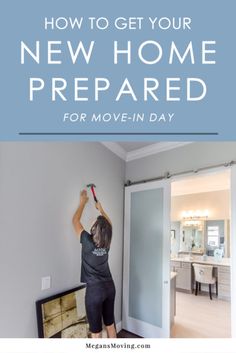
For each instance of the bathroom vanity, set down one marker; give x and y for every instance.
(185, 274)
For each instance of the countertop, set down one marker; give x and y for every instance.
(225, 261)
(173, 275)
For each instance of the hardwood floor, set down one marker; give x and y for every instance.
(126, 334)
(197, 317)
(200, 317)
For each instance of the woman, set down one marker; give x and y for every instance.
(95, 272)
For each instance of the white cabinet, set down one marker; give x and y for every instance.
(224, 282)
(184, 278)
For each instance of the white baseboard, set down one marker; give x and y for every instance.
(118, 326)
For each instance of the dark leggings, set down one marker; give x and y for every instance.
(99, 303)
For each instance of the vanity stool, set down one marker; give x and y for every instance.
(204, 274)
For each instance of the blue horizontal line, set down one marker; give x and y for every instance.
(115, 133)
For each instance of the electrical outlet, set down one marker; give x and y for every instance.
(46, 283)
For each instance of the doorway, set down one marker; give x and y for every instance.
(201, 234)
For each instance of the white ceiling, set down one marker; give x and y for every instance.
(214, 181)
(129, 151)
(129, 146)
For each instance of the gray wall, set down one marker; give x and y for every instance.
(39, 192)
(193, 156)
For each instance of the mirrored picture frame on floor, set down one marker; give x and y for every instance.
(63, 315)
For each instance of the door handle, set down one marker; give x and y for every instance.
(166, 282)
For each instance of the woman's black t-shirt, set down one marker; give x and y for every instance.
(94, 266)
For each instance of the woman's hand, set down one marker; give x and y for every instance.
(83, 197)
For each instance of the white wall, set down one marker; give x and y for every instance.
(233, 247)
(39, 192)
(216, 202)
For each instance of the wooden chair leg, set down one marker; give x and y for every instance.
(210, 291)
(199, 287)
(216, 288)
(196, 288)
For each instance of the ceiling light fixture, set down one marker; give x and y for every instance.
(195, 215)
